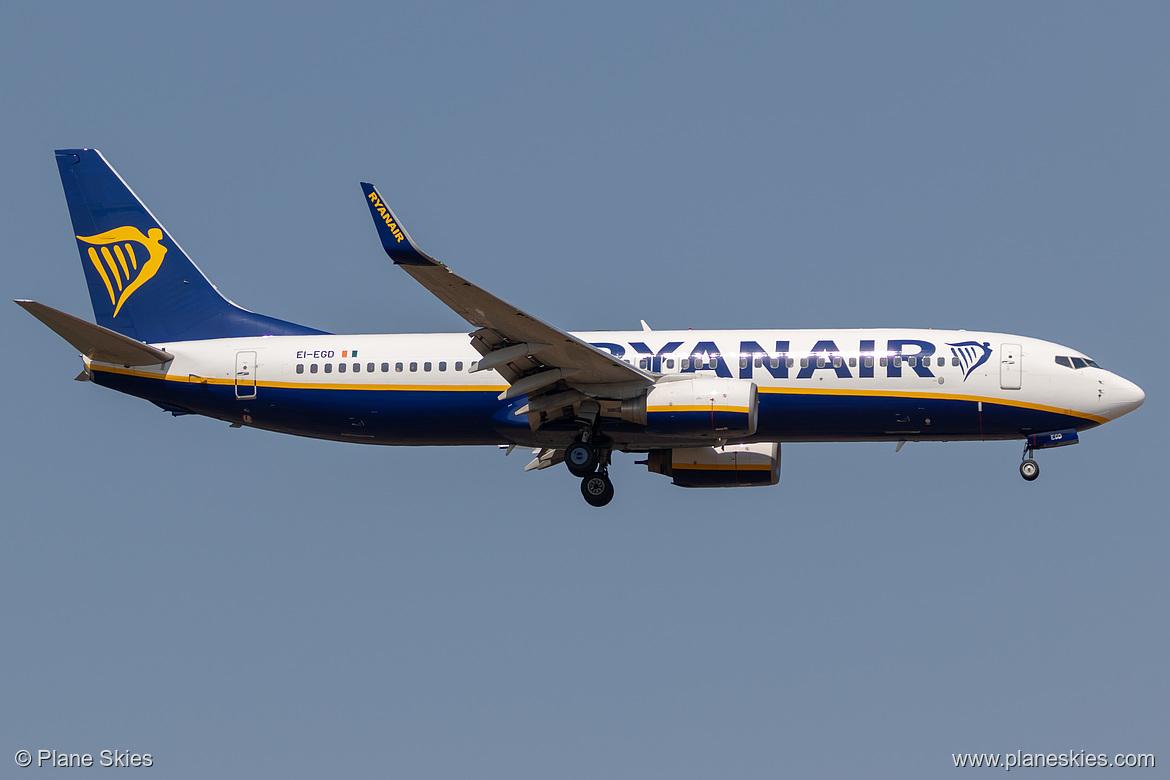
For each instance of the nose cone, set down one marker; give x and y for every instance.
(1123, 396)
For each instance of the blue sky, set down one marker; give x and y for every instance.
(244, 604)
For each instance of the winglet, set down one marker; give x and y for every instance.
(395, 240)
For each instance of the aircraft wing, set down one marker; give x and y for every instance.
(532, 355)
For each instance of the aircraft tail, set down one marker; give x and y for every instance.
(141, 282)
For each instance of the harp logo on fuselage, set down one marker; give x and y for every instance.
(123, 269)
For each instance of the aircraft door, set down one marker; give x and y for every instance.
(1010, 366)
(245, 375)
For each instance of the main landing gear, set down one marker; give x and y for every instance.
(590, 461)
(588, 457)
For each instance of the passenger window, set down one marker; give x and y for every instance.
(897, 361)
(670, 362)
(884, 361)
(427, 366)
(414, 366)
(474, 363)
(774, 363)
(369, 368)
(300, 368)
(804, 362)
(714, 362)
(340, 368)
(643, 363)
(838, 362)
(820, 362)
(684, 364)
(852, 362)
(385, 368)
(458, 365)
(869, 361)
(442, 365)
(759, 362)
(790, 362)
(954, 361)
(328, 368)
(926, 362)
(313, 368)
(912, 361)
(743, 362)
(398, 367)
(357, 368)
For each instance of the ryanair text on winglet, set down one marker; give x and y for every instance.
(385, 212)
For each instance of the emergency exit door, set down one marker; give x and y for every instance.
(1009, 366)
(245, 375)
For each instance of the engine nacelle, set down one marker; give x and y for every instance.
(701, 406)
(735, 465)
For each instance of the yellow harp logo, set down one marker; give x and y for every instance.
(118, 264)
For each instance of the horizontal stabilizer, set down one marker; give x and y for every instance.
(94, 341)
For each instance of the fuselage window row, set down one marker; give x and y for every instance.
(371, 368)
(697, 361)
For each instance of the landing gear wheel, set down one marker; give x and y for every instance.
(1029, 470)
(581, 459)
(597, 489)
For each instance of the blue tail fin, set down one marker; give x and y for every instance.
(141, 283)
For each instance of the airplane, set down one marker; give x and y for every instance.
(706, 408)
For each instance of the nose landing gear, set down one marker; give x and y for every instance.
(1029, 469)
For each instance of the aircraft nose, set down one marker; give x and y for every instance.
(1124, 396)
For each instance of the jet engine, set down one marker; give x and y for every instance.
(734, 465)
(699, 406)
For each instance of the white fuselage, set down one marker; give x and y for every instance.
(814, 385)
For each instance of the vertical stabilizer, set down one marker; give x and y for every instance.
(141, 283)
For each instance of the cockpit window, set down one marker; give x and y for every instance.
(1075, 362)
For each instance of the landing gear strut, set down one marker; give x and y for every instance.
(595, 483)
(1029, 469)
(588, 456)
